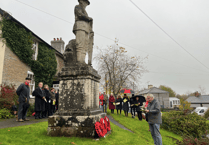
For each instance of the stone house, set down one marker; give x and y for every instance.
(13, 70)
(160, 95)
(198, 100)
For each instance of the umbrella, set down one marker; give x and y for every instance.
(127, 91)
(141, 99)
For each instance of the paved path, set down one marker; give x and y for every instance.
(13, 123)
(118, 124)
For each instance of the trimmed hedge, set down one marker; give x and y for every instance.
(184, 123)
(5, 114)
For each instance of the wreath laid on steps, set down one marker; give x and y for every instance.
(102, 127)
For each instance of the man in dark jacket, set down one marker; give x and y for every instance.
(48, 101)
(154, 119)
(137, 104)
(23, 91)
(133, 107)
(57, 99)
(52, 94)
(39, 101)
(105, 102)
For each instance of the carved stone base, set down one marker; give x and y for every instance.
(69, 126)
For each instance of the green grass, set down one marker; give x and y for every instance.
(36, 134)
(140, 128)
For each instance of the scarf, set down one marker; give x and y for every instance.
(146, 104)
(26, 83)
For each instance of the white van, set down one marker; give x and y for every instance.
(200, 110)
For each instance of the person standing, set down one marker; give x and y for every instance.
(52, 94)
(133, 107)
(23, 91)
(39, 101)
(105, 102)
(138, 109)
(111, 101)
(57, 99)
(48, 101)
(119, 104)
(101, 98)
(154, 119)
(125, 104)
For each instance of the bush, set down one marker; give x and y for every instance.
(31, 110)
(5, 114)
(190, 140)
(8, 96)
(206, 114)
(184, 123)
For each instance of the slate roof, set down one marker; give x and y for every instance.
(153, 90)
(200, 99)
(9, 17)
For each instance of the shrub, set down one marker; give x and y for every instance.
(5, 114)
(31, 110)
(8, 96)
(206, 114)
(190, 140)
(184, 123)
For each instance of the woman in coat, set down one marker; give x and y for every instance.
(138, 109)
(119, 104)
(125, 104)
(111, 105)
(48, 99)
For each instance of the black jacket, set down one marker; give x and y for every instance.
(39, 101)
(132, 100)
(120, 107)
(137, 107)
(23, 92)
(57, 98)
(126, 104)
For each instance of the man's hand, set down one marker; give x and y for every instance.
(139, 103)
(147, 111)
(25, 100)
(43, 97)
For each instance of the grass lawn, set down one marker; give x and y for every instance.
(36, 134)
(140, 128)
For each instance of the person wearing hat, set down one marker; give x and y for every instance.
(23, 91)
(133, 107)
(83, 32)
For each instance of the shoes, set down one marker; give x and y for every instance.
(20, 120)
(132, 116)
(26, 119)
(40, 117)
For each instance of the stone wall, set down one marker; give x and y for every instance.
(15, 71)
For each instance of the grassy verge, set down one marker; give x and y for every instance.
(140, 128)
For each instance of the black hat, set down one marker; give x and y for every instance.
(27, 78)
(85, 0)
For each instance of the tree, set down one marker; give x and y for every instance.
(172, 93)
(183, 96)
(187, 105)
(202, 90)
(120, 68)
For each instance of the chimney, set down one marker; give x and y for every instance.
(58, 44)
(196, 94)
(150, 86)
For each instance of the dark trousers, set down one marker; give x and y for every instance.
(105, 108)
(139, 113)
(117, 111)
(126, 113)
(21, 114)
(112, 111)
(133, 110)
(38, 114)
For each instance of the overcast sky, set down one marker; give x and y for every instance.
(187, 21)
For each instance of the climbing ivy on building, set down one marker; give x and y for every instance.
(20, 42)
(46, 65)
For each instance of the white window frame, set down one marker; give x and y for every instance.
(35, 44)
(31, 73)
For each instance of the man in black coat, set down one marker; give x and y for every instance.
(23, 91)
(57, 99)
(39, 101)
(138, 108)
(133, 107)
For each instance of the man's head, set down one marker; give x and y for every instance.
(150, 97)
(137, 98)
(46, 87)
(84, 2)
(28, 80)
(104, 93)
(119, 96)
(40, 85)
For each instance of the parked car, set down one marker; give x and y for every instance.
(200, 110)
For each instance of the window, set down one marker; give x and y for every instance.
(35, 49)
(32, 83)
(202, 111)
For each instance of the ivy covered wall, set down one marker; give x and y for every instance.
(20, 42)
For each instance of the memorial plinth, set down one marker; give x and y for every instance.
(79, 83)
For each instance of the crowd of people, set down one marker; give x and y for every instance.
(136, 104)
(46, 100)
